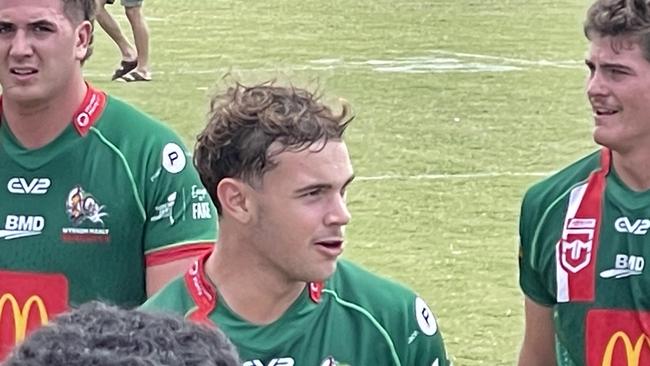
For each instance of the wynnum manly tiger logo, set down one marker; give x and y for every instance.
(82, 206)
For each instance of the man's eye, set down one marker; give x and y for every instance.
(312, 193)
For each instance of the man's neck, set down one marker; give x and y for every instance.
(252, 290)
(633, 168)
(36, 124)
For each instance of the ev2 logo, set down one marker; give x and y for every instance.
(638, 227)
(20, 185)
(283, 361)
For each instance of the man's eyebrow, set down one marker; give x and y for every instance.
(608, 65)
(322, 186)
(313, 187)
(42, 22)
(612, 65)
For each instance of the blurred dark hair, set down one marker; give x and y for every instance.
(102, 335)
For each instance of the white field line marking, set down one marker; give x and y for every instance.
(454, 176)
(333, 63)
(218, 72)
(568, 64)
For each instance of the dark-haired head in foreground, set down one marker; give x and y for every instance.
(103, 335)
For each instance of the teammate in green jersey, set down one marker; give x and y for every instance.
(97, 199)
(276, 167)
(584, 231)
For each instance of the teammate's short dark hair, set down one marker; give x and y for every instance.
(627, 18)
(79, 10)
(245, 121)
(102, 335)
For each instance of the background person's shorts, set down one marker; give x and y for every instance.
(127, 3)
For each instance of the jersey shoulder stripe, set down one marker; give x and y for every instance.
(367, 314)
(127, 168)
(545, 192)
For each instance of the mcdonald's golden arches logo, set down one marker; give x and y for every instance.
(21, 313)
(632, 350)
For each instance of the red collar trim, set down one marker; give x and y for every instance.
(89, 110)
(201, 290)
(316, 291)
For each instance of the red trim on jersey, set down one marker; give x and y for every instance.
(171, 254)
(582, 280)
(89, 110)
(201, 290)
(315, 291)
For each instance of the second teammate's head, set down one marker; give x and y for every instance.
(248, 126)
(277, 169)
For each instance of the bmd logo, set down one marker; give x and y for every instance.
(19, 226)
(20, 185)
(625, 266)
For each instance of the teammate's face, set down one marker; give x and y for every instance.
(40, 49)
(301, 212)
(618, 88)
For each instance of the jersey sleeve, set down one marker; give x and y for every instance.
(181, 220)
(424, 345)
(530, 279)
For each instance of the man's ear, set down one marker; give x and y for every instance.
(84, 39)
(235, 199)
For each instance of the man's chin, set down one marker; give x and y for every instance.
(27, 96)
(325, 272)
(603, 137)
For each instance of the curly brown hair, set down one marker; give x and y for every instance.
(244, 121)
(627, 18)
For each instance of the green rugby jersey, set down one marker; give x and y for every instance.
(584, 240)
(114, 193)
(355, 318)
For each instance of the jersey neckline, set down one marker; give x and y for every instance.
(621, 194)
(206, 297)
(86, 115)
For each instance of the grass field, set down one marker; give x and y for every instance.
(460, 105)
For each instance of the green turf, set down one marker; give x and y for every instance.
(453, 239)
